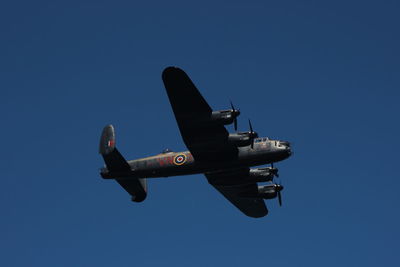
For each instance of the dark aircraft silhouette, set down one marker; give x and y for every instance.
(224, 158)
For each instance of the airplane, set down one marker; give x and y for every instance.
(224, 158)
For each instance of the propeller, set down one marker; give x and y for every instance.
(274, 170)
(235, 114)
(252, 134)
(278, 189)
(280, 198)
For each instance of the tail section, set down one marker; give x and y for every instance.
(116, 163)
(137, 188)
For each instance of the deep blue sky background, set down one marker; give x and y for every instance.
(324, 75)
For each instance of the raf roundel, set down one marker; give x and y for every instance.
(179, 159)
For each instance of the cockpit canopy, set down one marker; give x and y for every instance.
(259, 140)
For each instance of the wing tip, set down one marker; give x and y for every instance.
(256, 216)
(171, 70)
(256, 213)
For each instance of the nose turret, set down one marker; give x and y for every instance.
(289, 149)
(285, 145)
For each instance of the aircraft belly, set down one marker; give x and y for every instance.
(183, 163)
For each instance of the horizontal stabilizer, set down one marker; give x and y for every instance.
(116, 163)
(137, 188)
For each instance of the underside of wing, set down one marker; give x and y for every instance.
(186, 100)
(206, 140)
(241, 194)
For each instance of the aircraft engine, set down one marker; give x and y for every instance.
(269, 191)
(244, 138)
(224, 117)
(263, 174)
(240, 138)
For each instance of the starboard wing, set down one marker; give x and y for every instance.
(235, 188)
(207, 141)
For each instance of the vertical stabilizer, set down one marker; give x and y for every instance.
(115, 162)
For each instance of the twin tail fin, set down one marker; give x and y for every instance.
(116, 163)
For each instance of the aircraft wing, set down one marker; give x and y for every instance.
(206, 141)
(234, 187)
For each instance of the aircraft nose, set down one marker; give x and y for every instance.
(288, 148)
(288, 151)
(285, 143)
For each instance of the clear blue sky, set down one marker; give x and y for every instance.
(322, 74)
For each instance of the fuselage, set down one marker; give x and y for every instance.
(166, 164)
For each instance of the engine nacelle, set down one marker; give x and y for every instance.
(269, 191)
(265, 191)
(224, 117)
(262, 174)
(240, 139)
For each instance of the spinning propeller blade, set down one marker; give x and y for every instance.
(251, 128)
(235, 114)
(274, 171)
(279, 198)
(252, 134)
(278, 189)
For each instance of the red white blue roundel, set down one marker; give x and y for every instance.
(179, 159)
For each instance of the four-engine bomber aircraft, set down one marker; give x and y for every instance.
(224, 158)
